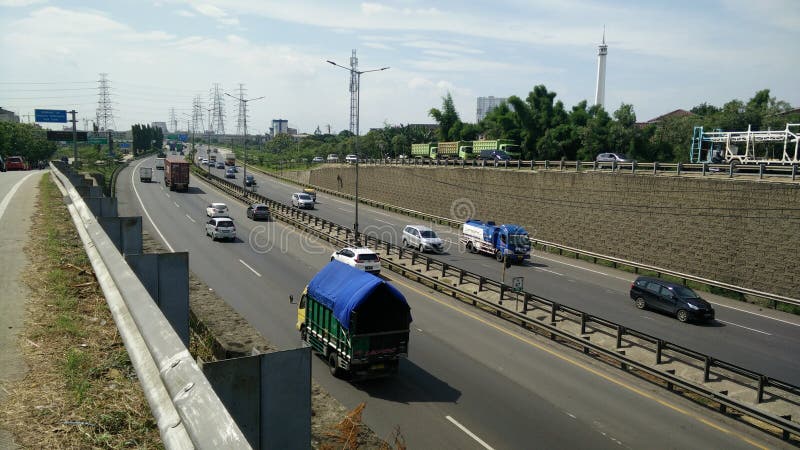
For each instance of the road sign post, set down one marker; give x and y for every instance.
(517, 286)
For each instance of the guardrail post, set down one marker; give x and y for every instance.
(444, 270)
(519, 162)
(502, 292)
(761, 171)
(525, 299)
(655, 168)
(678, 168)
(388, 249)
(461, 276)
(553, 310)
(583, 322)
(620, 333)
(794, 171)
(413, 257)
(546, 164)
(705, 168)
(762, 381)
(659, 350)
(633, 166)
(481, 280)
(613, 166)
(427, 264)
(730, 169)
(707, 368)
(577, 166)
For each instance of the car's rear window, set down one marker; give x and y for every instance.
(261, 208)
(14, 160)
(225, 223)
(368, 257)
(428, 234)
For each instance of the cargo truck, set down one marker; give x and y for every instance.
(357, 321)
(145, 174)
(457, 149)
(507, 145)
(428, 150)
(504, 242)
(176, 173)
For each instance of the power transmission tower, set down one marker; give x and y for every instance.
(173, 120)
(354, 78)
(217, 120)
(197, 114)
(241, 119)
(105, 112)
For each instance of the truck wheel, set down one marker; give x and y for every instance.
(405, 243)
(333, 362)
(470, 248)
(499, 256)
(304, 334)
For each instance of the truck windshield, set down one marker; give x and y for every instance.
(518, 240)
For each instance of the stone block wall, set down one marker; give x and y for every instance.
(736, 231)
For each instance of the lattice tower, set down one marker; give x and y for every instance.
(241, 118)
(217, 123)
(105, 110)
(173, 120)
(197, 115)
(354, 93)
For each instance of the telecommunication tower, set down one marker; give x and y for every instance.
(105, 111)
(241, 119)
(354, 78)
(173, 120)
(197, 114)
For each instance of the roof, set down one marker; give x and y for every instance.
(343, 288)
(676, 113)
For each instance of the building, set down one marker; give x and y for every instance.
(486, 104)
(279, 126)
(600, 91)
(8, 116)
(162, 125)
(669, 115)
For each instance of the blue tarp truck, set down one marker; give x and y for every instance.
(357, 321)
(501, 241)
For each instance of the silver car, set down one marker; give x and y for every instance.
(422, 238)
(302, 200)
(612, 157)
(221, 228)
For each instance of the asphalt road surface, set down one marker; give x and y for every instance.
(764, 341)
(470, 381)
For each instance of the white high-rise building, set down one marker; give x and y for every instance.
(486, 104)
(600, 92)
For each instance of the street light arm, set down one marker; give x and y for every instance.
(337, 65)
(374, 70)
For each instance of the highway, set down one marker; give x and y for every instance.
(471, 381)
(743, 334)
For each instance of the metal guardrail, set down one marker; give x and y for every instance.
(187, 410)
(704, 169)
(760, 385)
(636, 266)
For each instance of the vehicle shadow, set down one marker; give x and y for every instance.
(412, 384)
(194, 190)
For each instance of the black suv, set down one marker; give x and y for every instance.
(671, 298)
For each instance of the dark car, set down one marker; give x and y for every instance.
(258, 211)
(230, 173)
(493, 155)
(249, 180)
(672, 298)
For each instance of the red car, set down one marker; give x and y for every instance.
(16, 163)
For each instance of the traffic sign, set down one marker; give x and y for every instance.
(80, 136)
(124, 144)
(98, 140)
(516, 283)
(172, 136)
(183, 137)
(51, 115)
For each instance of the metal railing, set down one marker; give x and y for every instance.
(489, 294)
(614, 261)
(187, 410)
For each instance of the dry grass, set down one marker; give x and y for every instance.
(81, 390)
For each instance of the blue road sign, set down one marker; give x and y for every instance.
(183, 137)
(51, 115)
(124, 144)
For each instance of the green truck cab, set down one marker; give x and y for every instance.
(429, 150)
(357, 321)
(506, 145)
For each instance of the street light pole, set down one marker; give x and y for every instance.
(244, 166)
(354, 91)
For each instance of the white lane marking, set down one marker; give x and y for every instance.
(345, 210)
(384, 221)
(584, 268)
(141, 203)
(756, 314)
(7, 198)
(166, 195)
(176, 204)
(469, 433)
(162, 187)
(251, 269)
(545, 270)
(572, 415)
(746, 328)
(190, 218)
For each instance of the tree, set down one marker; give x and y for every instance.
(447, 118)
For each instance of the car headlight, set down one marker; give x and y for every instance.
(691, 306)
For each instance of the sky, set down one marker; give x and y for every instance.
(161, 54)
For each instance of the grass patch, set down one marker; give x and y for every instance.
(81, 390)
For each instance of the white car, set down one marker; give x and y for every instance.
(302, 200)
(221, 228)
(351, 159)
(333, 158)
(360, 258)
(318, 159)
(422, 238)
(217, 210)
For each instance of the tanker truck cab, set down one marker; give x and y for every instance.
(501, 241)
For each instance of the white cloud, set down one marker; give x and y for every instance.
(377, 45)
(20, 3)
(185, 13)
